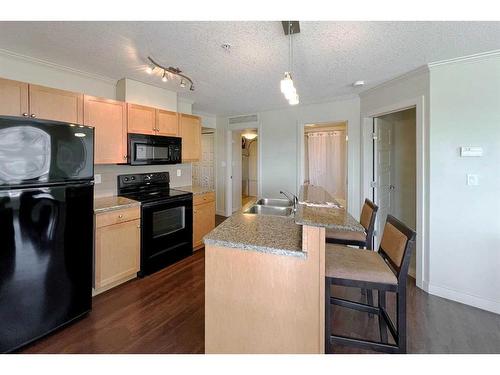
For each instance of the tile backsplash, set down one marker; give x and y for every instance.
(110, 172)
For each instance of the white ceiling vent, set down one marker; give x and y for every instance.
(243, 119)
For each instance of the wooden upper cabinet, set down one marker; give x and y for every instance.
(141, 119)
(13, 98)
(53, 104)
(167, 123)
(190, 131)
(109, 119)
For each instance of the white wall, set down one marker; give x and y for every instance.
(26, 69)
(136, 92)
(207, 120)
(464, 220)
(280, 146)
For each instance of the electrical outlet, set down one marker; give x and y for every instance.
(179, 172)
(97, 178)
(472, 180)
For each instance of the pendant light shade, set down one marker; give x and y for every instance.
(286, 85)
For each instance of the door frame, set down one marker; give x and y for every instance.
(422, 173)
(229, 161)
(301, 156)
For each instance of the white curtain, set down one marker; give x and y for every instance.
(327, 161)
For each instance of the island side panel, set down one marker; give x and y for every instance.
(313, 240)
(263, 303)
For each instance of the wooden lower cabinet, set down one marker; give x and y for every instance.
(117, 248)
(203, 217)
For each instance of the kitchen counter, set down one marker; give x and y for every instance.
(112, 203)
(268, 234)
(318, 208)
(195, 189)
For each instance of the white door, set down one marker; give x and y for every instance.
(236, 170)
(382, 174)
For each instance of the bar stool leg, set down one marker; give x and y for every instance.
(328, 317)
(381, 322)
(401, 318)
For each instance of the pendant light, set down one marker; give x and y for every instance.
(287, 87)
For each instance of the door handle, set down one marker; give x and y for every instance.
(25, 115)
(32, 115)
(392, 187)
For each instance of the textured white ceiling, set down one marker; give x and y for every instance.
(328, 56)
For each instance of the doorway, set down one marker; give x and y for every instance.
(249, 163)
(325, 158)
(204, 170)
(395, 171)
(244, 168)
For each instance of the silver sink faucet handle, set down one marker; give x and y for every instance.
(294, 198)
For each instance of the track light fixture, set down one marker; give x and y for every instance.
(169, 72)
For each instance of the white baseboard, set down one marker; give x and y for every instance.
(467, 299)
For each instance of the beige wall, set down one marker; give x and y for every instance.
(109, 175)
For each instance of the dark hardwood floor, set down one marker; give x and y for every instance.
(164, 313)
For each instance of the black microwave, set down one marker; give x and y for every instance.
(154, 149)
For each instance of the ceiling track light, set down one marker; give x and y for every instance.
(170, 72)
(286, 85)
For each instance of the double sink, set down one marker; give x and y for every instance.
(274, 207)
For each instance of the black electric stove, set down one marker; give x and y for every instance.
(166, 219)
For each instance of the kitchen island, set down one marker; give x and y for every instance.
(264, 278)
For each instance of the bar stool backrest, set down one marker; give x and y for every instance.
(367, 220)
(396, 245)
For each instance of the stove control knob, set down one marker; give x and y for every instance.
(125, 179)
(132, 178)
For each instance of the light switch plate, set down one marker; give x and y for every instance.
(472, 180)
(179, 172)
(97, 178)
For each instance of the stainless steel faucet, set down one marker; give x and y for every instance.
(293, 198)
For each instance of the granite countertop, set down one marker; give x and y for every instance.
(195, 189)
(112, 203)
(318, 208)
(269, 234)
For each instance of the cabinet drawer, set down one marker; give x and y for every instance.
(203, 198)
(118, 216)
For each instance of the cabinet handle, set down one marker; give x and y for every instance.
(125, 157)
(120, 216)
(138, 226)
(32, 115)
(25, 115)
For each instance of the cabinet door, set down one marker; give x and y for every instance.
(203, 222)
(141, 119)
(117, 253)
(13, 98)
(167, 123)
(53, 104)
(190, 129)
(109, 119)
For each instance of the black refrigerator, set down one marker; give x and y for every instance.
(46, 227)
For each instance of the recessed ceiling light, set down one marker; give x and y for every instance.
(226, 47)
(358, 83)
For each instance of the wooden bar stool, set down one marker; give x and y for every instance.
(359, 239)
(386, 271)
